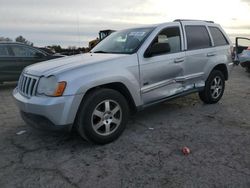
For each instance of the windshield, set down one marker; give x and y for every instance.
(123, 42)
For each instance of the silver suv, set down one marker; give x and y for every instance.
(128, 71)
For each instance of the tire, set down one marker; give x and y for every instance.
(102, 116)
(214, 88)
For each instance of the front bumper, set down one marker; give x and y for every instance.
(43, 123)
(48, 112)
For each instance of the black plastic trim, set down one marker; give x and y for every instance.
(43, 123)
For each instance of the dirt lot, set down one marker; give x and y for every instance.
(146, 155)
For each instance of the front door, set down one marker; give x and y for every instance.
(6, 62)
(159, 72)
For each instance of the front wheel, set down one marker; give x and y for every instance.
(102, 116)
(214, 88)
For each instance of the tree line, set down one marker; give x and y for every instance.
(17, 39)
(71, 50)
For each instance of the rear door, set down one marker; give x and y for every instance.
(198, 52)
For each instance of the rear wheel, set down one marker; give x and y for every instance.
(214, 88)
(102, 116)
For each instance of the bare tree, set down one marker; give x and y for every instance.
(23, 40)
(5, 39)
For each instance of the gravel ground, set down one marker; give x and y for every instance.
(148, 154)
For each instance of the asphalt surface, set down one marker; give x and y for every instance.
(148, 154)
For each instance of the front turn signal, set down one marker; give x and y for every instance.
(60, 89)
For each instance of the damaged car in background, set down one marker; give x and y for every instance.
(242, 48)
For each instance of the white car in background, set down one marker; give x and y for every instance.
(243, 52)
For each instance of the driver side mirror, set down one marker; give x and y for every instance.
(157, 49)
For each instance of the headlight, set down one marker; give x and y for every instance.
(50, 86)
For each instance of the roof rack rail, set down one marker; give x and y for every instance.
(180, 20)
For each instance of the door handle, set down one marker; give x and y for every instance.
(211, 54)
(179, 60)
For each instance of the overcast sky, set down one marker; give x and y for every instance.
(75, 22)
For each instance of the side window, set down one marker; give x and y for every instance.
(197, 37)
(3, 51)
(218, 37)
(170, 36)
(22, 51)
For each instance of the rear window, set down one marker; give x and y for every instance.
(3, 51)
(218, 37)
(197, 37)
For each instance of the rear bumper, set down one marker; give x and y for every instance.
(48, 112)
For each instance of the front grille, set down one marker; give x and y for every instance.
(27, 85)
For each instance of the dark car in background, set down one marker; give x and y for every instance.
(14, 57)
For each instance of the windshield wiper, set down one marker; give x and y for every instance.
(100, 51)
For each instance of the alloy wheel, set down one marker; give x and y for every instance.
(106, 117)
(216, 87)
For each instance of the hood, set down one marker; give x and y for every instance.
(59, 65)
